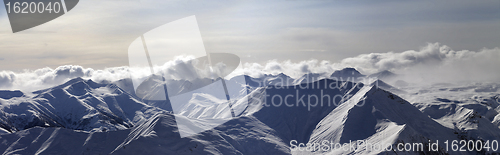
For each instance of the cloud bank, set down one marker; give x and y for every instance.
(30, 80)
(431, 63)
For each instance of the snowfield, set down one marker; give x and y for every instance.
(276, 115)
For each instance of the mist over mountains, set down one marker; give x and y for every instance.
(433, 63)
(87, 117)
(426, 97)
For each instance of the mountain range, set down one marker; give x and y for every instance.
(82, 116)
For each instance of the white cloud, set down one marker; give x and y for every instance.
(432, 63)
(97, 33)
(289, 68)
(31, 80)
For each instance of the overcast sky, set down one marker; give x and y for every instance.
(97, 33)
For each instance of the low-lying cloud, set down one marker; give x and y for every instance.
(432, 63)
(30, 80)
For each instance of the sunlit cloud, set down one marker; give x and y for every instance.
(431, 63)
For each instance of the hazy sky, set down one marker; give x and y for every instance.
(97, 33)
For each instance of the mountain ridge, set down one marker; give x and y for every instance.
(89, 117)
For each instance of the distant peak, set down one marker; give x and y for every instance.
(383, 74)
(81, 80)
(387, 72)
(77, 79)
(312, 74)
(349, 68)
(282, 74)
(347, 72)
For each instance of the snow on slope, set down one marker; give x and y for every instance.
(267, 80)
(383, 118)
(471, 114)
(297, 121)
(255, 131)
(309, 78)
(243, 135)
(79, 105)
(381, 84)
(156, 135)
(84, 117)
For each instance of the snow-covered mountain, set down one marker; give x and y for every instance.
(309, 78)
(347, 74)
(78, 105)
(384, 118)
(268, 79)
(471, 113)
(85, 117)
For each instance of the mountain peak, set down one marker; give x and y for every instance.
(376, 115)
(77, 81)
(282, 75)
(385, 74)
(349, 69)
(347, 74)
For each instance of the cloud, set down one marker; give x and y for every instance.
(36, 79)
(6, 78)
(431, 63)
(96, 33)
(373, 62)
(30, 80)
(288, 67)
